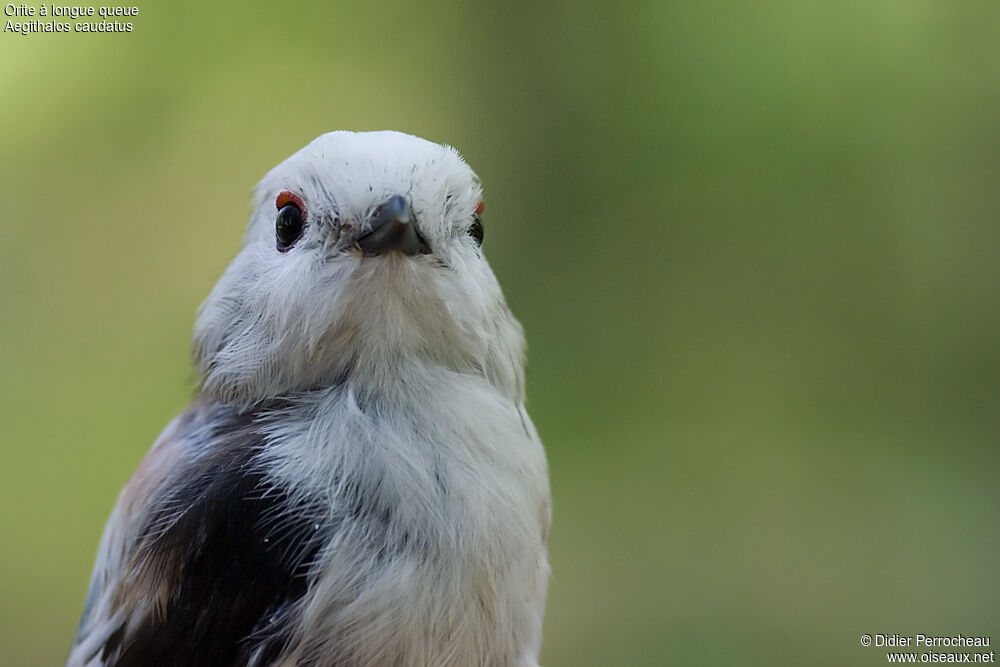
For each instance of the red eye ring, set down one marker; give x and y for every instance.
(480, 205)
(285, 198)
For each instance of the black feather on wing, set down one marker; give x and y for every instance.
(222, 559)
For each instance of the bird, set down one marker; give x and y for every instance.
(356, 480)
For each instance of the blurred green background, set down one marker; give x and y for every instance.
(755, 247)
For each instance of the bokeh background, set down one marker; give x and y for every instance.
(755, 247)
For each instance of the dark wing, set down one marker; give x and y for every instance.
(204, 558)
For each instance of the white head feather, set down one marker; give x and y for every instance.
(282, 322)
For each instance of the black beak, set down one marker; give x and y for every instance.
(392, 228)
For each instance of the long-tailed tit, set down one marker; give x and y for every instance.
(357, 481)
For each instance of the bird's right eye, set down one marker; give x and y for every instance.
(291, 220)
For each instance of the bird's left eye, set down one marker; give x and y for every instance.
(291, 220)
(476, 228)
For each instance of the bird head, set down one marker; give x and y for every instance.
(362, 262)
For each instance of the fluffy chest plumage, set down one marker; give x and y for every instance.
(442, 519)
(331, 532)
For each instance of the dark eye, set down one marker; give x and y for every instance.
(291, 220)
(476, 230)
